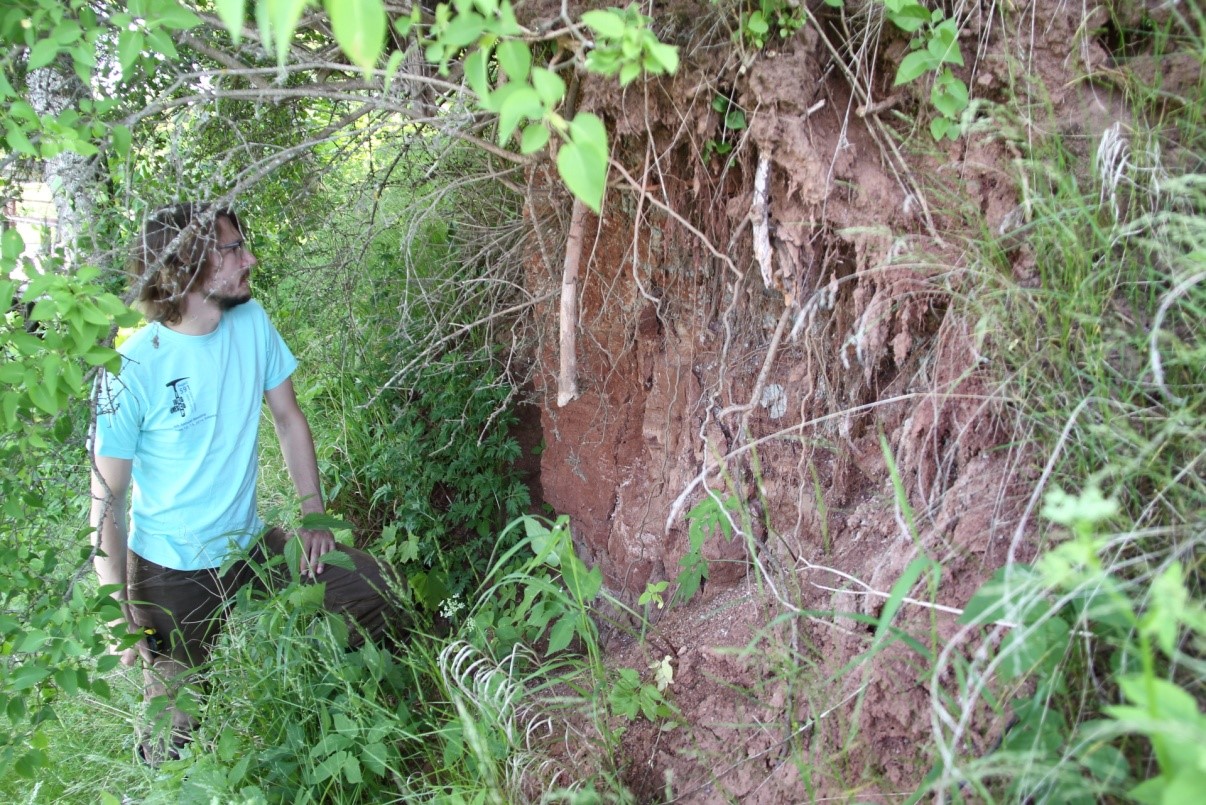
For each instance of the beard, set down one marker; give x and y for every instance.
(229, 302)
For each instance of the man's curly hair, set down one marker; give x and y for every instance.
(171, 257)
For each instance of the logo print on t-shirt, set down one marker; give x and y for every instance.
(181, 396)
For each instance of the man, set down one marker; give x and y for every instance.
(179, 428)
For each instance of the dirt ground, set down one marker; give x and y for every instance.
(786, 381)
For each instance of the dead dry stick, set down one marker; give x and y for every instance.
(567, 380)
(760, 218)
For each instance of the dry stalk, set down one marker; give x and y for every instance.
(567, 380)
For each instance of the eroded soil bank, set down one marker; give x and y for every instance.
(785, 382)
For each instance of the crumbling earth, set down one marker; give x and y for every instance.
(790, 381)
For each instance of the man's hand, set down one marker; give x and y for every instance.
(128, 656)
(315, 544)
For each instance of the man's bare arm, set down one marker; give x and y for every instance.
(297, 446)
(110, 485)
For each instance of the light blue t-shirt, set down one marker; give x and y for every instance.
(186, 409)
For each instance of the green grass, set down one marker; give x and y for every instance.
(91, 750)
(1102, 355)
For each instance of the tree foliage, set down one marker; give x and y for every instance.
(123, 107)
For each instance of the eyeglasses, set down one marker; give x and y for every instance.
(232, 248)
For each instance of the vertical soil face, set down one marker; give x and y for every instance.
(776, 352)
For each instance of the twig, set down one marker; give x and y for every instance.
(1153, 350)
(567, 380)
(666, 208)
(760, 220)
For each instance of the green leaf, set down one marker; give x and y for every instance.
(582, 584)
(374, 758)
(515, 58)
(391, 67)
(464, 30)
(477, 73)
(11, 243)
(120, 137)
(629, 73)
(44, 310)
(665, 55)
(19, 142)
(535, 137)
(548, 85)
(561, 633)
(230, 12)
(605, 23)
(66, 32)
(281, 17)
(129, 46)
(588, 131)
(949, 94)
(542, 541)
(522, 103)
(171, 14)
(914, 65)
(581, 163)
(910, 17)
(359, 28)
(42, 53)
(324, 522)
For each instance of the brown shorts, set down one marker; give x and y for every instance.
(186, 608)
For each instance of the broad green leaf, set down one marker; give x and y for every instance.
(477, 72)
(587, 130)
(11, 245)
(583, 584)
(523, 103)
(515, 58)
(42, 53)
(607, 24)
(281, 17)
(548, 85)
(120, 138)
(324, 522)
(44, 310)
(18, 141)
(20, 110)
(665, 55)
(374, 757)
(129, 46)
(756, 23)
(910, 18)
(542, 541)
(359, 28)
(391, 67)
(582, 162)
(914, 65)
(944, 45)
(230, 12)
(535, 137)
(44, 399)
(949, 94)
(507, 24)
(171, 14)
(561, 633)
(629, 73)
(464, 30)
(66, 32)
